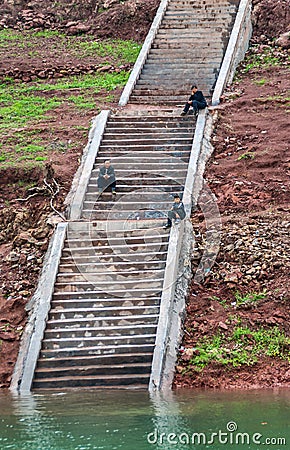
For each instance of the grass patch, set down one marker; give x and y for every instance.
(81, 102)
(261, 82)
(242, 347)
(19, 109)
(246, 155)
(257, 59)
(249, 299)
(122, 51)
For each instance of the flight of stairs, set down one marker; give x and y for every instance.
(104, 313)
(188, 48)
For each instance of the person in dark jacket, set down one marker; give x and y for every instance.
(196, 100)
(107, 178)
(177, 212)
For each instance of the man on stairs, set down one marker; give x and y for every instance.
(107, 178)
(196, 100)
(177, 212)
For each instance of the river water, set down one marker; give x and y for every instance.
(128, 420)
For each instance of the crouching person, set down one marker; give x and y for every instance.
(107, 178)
(177, 212)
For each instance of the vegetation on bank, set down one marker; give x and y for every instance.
(243, 346)
(29, 111)
(35, 44)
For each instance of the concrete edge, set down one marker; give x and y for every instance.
(167, 296)
(236, 49)
(33, 334)
(82, 176)
(143, 54)
(176, 240)
(185, 274)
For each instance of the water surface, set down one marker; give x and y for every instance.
(137, 421)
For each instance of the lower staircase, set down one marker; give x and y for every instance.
(102, 324)
(101, 328)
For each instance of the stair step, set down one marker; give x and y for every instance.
(100, 341)
(105, 360)
(91, 381)
(87, 303)
(93, 370)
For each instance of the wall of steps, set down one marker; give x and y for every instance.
(101, 328)
(188, 48)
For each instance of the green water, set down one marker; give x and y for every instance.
(136, 421)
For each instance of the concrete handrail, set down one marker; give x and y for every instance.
(172, 263)
(32, 337)
(143, 54)
(90, 157)
(239, 40)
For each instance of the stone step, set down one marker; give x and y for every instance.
(192, 51)
(110, 285)
(93, 370)
(124, 206)
(127, 127)
(119, 250)
(108, 350)
(144, 149)
(104, 302)
(88, 230)
(98, 332)
(96, 277)
(160, 135)
(93, 382)
(65, 343)
(106, 360)
(108, 321)
(164, 179)
(143, 257)
(133, 161)
(105, 238)
(130, 197)
(100, 267)
(127, 295)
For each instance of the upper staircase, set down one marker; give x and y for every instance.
(188, 48)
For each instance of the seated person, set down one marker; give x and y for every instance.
(107, 178)
(177, 212)
(196, 100)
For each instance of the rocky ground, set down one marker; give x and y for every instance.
(252, 190)
(248, 286)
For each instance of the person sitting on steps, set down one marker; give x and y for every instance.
(107, 178)
(177, 212)
(196, 100)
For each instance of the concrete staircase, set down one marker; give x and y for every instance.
(188, 48)
(101, 328)
(104, 311)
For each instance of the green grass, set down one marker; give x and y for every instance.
(122, 51)
(114, 51)
(267, 58)
(25, 108)
(246, 155)
(81, 102)
(242, 347)
(252, 298)
(261, 82)
(17, 110)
